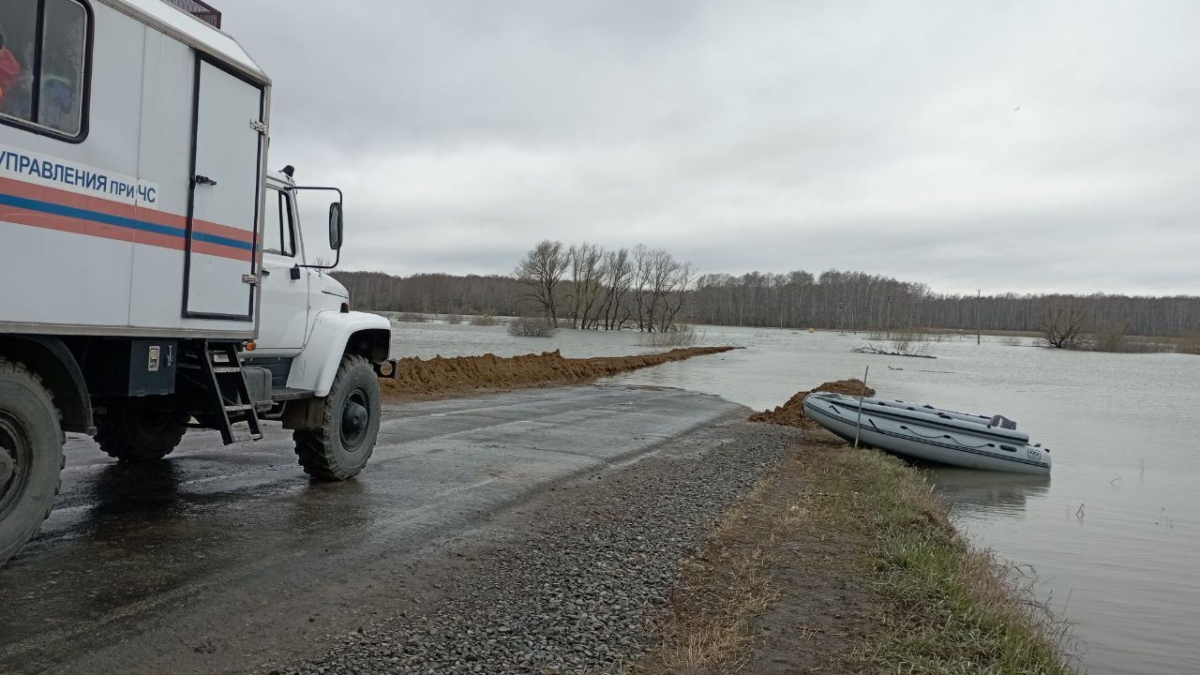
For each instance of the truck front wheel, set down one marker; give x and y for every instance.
(133, 434)
(340, 447)
(31, 456)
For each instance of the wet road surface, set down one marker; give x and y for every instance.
(186, 565)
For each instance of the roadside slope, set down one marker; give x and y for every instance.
(843, 560)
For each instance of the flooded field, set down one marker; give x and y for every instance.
(1113, 535)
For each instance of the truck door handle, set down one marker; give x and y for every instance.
(265, 273)
(204, 180)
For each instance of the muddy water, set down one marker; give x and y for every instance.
(1114, 535)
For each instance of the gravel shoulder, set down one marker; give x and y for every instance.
(572, 580)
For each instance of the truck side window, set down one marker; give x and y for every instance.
(277, 221)
(43, 75)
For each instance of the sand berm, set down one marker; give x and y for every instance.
(416, 378)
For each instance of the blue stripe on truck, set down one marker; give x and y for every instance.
(119, 221)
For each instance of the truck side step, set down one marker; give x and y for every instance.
(231, 402)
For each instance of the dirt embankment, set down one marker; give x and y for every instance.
(791, 414)
(418, 378)
(842, 561)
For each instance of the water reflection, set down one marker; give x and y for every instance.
(343, 509)
(119, 490)
(986, 493)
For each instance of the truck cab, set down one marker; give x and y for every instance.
(156, 276)
(299, 301)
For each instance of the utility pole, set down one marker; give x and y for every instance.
(978, 300)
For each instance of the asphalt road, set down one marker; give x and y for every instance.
(190, 564)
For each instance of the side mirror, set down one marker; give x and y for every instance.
(335, 220)
(335, 226)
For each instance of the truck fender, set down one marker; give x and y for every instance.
(333, 335)
(50, 359)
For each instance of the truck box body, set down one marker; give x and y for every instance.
(141, 218)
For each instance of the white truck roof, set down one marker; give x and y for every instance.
(191, 30)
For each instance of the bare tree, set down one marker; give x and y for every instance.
(540, 271)
(658, 288)
(1064, 326)
(1109, 336)
(617, 279)
(585, 292)
(674, 294)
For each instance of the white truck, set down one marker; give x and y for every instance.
(153, 275)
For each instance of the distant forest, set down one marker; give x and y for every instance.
(832, 300)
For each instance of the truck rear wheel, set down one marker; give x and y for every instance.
(133, 434)
(31, 456)
(341, 446)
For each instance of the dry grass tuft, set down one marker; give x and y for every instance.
(1189, 345)
(682, 335)
(483, 320)
(526, 326)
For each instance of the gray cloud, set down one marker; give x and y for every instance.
(765, 135)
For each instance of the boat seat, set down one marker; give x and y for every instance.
(1002, 422)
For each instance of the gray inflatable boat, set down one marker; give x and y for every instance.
(930, 434)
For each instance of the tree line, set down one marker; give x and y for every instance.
(433, 293)
(861, 301)
(586, 286)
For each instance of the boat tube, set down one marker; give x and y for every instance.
(930, 434)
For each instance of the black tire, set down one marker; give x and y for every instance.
(340, 448)
(138, 434)
(31, 456)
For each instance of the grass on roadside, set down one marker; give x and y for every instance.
(946, 607)
(856, 543)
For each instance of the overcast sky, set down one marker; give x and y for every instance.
(1007, 146)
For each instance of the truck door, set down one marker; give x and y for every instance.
(222, 219)
(283, 309)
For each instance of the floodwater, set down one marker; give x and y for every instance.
(1113, 535)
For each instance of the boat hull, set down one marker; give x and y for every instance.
(924, 436)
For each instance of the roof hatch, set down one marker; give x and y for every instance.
(200, 10)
